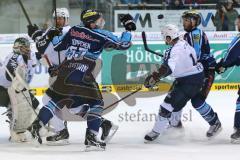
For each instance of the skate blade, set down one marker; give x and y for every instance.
(111, 134)
(58, 143)
(215, 134)
(235, 141)
(93, 148)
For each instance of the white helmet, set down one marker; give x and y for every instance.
(61, 12)
(170, 30)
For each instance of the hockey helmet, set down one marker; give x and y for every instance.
(62, 12)
(90, 16)
(171, 31)
(192, 15)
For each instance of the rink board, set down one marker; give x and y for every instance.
(122, 71)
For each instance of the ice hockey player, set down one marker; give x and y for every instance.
(232, 58)
(198, 39)
(84, 45)
(62, 134)
(45, 46)
(188, 76)
(16, 73)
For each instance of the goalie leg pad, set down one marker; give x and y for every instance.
(22, 112)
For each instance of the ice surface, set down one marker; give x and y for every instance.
(190, 143)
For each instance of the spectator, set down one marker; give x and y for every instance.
(175, 4)
(225, 17)
(194, 2)
(131, 1)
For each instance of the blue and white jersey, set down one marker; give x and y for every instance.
(11, 62)
(83, 42)
(182, 60)
(233, 54)
(199, 41)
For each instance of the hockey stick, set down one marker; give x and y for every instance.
(55, 14)
(146, 46)
(25, 12)
(130, 94)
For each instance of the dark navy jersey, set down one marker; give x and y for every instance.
(233, 54)
(83, 42)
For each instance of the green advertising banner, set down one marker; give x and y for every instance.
(132, 66)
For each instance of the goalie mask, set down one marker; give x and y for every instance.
(170, 32)
(22, 46)
(62, 15)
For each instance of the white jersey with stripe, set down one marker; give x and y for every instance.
(12, 61)
(182, 60)
(52, 54)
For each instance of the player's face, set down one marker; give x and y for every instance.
(100, 23)
(238, 24)
(60, 22)
(168, 40)
(187, 24)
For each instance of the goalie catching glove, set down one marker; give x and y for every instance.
(155, 77)
(128, 23)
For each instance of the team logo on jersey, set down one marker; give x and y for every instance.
(196, 37)
(83, 35)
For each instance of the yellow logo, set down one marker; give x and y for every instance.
(89, 14)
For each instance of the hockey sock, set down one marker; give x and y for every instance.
(161, 124)
(45, 114)
(175, 118)
(94, 118)
(206, 112)
(237, 114)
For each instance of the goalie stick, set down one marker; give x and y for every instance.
(146, 46)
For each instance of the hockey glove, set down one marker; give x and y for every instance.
(155, 77)
(53, 71)
(128, 23)
(54, 32)
(151, 80)
(34, 31)
(219, 67)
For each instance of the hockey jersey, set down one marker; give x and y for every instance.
(199, 41)
(83, 42)
(12, 61)
(182, 60)
(233, 54)
(46, 47)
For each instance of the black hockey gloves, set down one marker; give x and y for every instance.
(34, 31)
(128, 23)
(53, 71)
(219, 67)
(54, 32)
